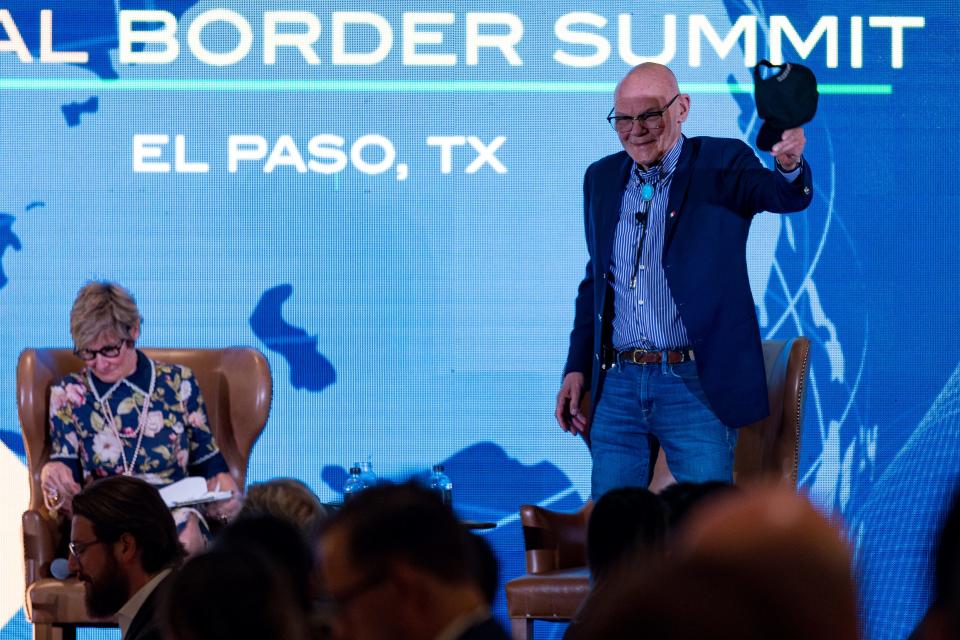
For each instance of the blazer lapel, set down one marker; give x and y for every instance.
(143, 624)
(678, 189)
(609, 197)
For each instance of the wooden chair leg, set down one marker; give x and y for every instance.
(54, 632)
(521, 628)
(44, 632)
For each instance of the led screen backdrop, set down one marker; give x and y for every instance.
(385, 199)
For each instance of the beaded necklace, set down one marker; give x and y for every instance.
(110, 419)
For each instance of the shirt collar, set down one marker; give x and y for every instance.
(140, 378)
(663, 169)
(129, 611)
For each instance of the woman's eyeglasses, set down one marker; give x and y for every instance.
(109, 351)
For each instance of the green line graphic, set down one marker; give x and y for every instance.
(384, 86)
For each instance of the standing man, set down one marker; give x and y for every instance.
(665, 336)
(123, 545)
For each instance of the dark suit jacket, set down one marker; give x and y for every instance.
(143, 626)
(717, 187)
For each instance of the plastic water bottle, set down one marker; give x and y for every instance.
(367, 475)
(354, 484)
(440, 482)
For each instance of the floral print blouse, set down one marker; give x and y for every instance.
(176, 441)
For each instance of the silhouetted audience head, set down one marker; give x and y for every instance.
(942, 621)
(231, 595)
(397, 564)
(760, 564)
(281, 543)
(682, 497)
(786, 554)
(287, 499)
(625, 522)
(947, 595)
(122, 534)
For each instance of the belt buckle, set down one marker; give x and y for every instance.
(641, 353)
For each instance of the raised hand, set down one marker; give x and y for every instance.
(790, 148)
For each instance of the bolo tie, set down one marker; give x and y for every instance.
(647, 191)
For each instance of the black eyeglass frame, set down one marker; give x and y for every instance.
(642, 118)
(79, 548)
(109, 351)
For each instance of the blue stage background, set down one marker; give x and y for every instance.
(424, 319)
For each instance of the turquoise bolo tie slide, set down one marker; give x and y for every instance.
(646, 195)
(646, 192)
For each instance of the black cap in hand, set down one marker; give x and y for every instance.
(785, 100)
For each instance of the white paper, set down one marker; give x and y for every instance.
(190, 491)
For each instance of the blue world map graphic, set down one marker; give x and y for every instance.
(73, 110)
(8, 240)
(309, 369)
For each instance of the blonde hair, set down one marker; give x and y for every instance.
(103, 307)
(287, 499)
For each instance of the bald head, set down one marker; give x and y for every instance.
(781, 546)
(650, 88)
(738, 524)
(651, 78)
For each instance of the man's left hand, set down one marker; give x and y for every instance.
(788, 151)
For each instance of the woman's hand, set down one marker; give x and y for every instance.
(58, 486)
(224, 510)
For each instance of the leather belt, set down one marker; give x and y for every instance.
(647, 356)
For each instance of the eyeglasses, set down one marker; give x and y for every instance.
(648, 119)
(109, 351)
(79, 548)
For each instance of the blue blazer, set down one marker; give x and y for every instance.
(717, 188)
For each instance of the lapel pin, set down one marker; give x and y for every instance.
(673, 214)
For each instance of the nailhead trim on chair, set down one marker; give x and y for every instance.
(801, 391)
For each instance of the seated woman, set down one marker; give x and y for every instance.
(126, 414)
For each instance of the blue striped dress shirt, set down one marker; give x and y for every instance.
(645, 317)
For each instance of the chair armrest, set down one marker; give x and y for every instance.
(39, 545)
(554, 540)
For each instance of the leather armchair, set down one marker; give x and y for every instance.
(557, 580)
(238, 389)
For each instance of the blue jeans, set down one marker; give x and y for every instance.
(642, 404)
